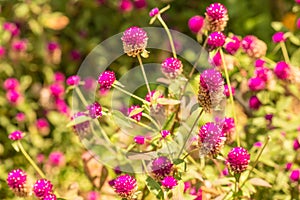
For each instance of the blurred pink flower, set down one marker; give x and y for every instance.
(75, 55)
(125, 6)
(298, 23)
(2, 51)
(140, 4)
(93, 195)
(16, 135)
(57, 89)
(20, 117)
(59, 77)
(295, 175)
(226, 91)
(11, 84)
(12, 28)
(40, 158)
(196, 23)
(73, 80)
(139, 139)
(254, 103)
(13, 97)
(278, 37)
(52, 46)
(288, 166)
(19, 45)
(259, 62)
(256, 84)
(56, 158)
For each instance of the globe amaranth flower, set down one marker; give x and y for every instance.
(12, 28)
(171, 67)
(52, 46)
(95, 110)
(153, 12)
(228, 129)
(13, 96)
(282, 70)
(42, 188)
(57, 89)
(254, 102)
(50, 197)
(134, 41)
(19, 45)
(161, 167)
(227, 92)
(16, 180)
(125, 6)
(2, 51)
(215, 40)
(298, 23)
(82, 129)
(259, 63)
(233, 45)
(211, 90)
(296, 144)
(256, 84)
(125, 186)
(254, 47)
(139, 139)
(211, 139)
(295, 175)
(216, 60)
(196, 23)
(11, 84)
(137, 116)
(106, 79)
(165, 133)
(263, 73)
(93, 195)
(169, 182)
(216, 17)
(16, 135)
(56, 158)
(238, 159)
(278, 37)
(140, 4)
(73, 80)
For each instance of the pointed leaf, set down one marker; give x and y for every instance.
(154, 188)
(259, 182)
(165, 101)
(135, 111)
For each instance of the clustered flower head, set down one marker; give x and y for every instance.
(282, 70)
(165, 133)
(278, 37)
(125, 186)
(139, 139)
(95, 110)
(256, 84)
(42, 188)
(216, 17)
(106, 79)
(238, 159)
(233, 45)
(254, 47)
(137, 116)
(73, 80)
(216, 40)
(171, 67)
(134, 41)
(56, 158)
(161, 167)
(211, 90)
(169, 182)
(211, 139)
(16, 135)
(16, 180)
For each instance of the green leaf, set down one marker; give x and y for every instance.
(104, 175)
(295, 58)
(277, 26)
(154, 188)
(165, 101)
(78, 120)
(135, 111)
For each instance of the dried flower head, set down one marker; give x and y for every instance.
(216, 17)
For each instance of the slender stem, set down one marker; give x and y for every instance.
(144, 75)
(142, 124)
(152, 120)
(269, 60)
(284, 52)
(130, 94)
(29, 159)
(236, 185)
(169, 34)
(189, 134)
(230, 97)
(79, 93)
(268, 138)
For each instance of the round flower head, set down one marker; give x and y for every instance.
(106, 79)
(137, 116)
(295, 175)
(82, 129)
(16, 180)
(282, 70)
(254, 103)
(259, 63)
(216, 17)
(140, 4)
(254, 47)
(153, 12)
(288, 166)
(215, 40)
(211, 139)
(52, 46)
(226, 91)
(73, 80)
(139, 139)
(278, 37)
(125, 186)
(2, 52)
(50, 197)
(13, 96)
(16, 135)
(95, 110)
(165, 133)
(169, 182)
(256, 84)
(263, 73)
(42, 187)
(171, 67)
(19, 45)
(238, 159)
(296, 145)
(56, 158)
(134, 41)
(211, 89)
(11, 84)
(196, 23)
(233, 45)
(297, 1)
(57, 89)
(161, 167)
(125, 6)
(228, 129)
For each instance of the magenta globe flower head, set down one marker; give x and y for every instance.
(59, 77)
(125, 6)
(106, 79)
(140, 4)
(254, 103)
(259, 63)
(196, 23)
(52, 46)
(263, 73)
(137, 116)
(16, 135)
(216, 40)
(13, 97)
(20, 117)
(226, 91)
(161, 167)
(125, 186)
(165, 133)
(169, 182)
(225, 172)
(134, 41)
(295, 175)
(75, 55)
(95, 110)
(256, 84)
(233, 45)
(211, 139)
(278, 37)
(89, 83)
(93, 195)
(57, 89)
(238, 159)
(19, 45)
(2, 51)
(216, 17)
(153, 12)
(288, 166)
(56, 158)
(42, 187)
(43, 126)
(298, 23)
(216, 60)
(296, 144)
(50, 197)
(73, 80)
(297, 1)
(11, 84)
(62, 106)
(12, 28)
(16, 179)
(282, 70)
(171, 67)
(139, 139)
(254, 47)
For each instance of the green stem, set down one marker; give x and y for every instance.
(284, 52)
(79, 93)
(189, 134)
(27, 156)
(152, 120)
(130, 94)
(230, 97)
(268, 138)
(169, 34)
(236, 185)
(144, 75)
